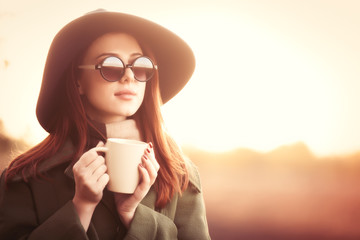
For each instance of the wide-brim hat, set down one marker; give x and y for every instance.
(175, 59)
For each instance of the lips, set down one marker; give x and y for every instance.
(125, 94)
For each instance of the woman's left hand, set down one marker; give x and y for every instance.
(126, 204)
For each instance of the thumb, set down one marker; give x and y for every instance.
(100, 144)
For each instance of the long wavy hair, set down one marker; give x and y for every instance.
(71, 122)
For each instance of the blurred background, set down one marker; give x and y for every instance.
(271, 115)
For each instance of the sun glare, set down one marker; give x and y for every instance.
(252, 89)
(264, 77)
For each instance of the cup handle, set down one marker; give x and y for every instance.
(101, 149)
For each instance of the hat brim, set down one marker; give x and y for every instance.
(175, 59)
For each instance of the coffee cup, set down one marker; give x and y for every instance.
(122, 158)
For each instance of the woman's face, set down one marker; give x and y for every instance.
(111, 101)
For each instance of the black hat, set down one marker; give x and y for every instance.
(175, 59)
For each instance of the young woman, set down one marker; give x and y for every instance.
(106, 75)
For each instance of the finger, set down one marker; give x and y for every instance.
(103, 180)
(101, 170)
(88, 157)
(85, 159)
(149, 152)
(145, 179)
(100, 160)
(150, 169)
(93, 153)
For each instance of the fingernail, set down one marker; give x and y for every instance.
(148, 150)
(150, 144)
(142, 166)
(145, 157)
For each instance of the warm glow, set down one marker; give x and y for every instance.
(278, 79)
(267, 74)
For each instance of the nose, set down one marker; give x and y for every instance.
(128, 75)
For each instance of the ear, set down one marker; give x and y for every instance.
(80, 88)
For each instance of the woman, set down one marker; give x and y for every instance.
(106, 75)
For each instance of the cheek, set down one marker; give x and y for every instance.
(97, 93)
(84, 83)
(142, 89)
(90, 84)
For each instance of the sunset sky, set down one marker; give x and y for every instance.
(269, 72)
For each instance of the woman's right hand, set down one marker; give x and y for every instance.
(90, 180)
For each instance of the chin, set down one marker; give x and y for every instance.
(125, 109)
(127, 113)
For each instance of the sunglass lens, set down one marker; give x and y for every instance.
(112, 69)
(143, 69)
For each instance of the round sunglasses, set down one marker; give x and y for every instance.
(112, 68)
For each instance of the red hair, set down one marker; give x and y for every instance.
(72, 122)
(173, 175)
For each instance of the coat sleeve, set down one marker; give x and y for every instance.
(190, 217)
(18, 218)
(189, 221)
(149, 224)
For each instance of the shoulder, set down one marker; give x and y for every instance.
(194, 176)
(62, 156)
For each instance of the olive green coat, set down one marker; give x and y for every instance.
(42, 209)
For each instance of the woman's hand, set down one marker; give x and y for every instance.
(126, 204)
(90, 180)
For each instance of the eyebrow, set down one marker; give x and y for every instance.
(114, 54)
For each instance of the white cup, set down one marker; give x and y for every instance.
(122, 158)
